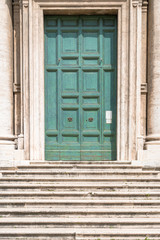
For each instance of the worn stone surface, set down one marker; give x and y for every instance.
(79, 206)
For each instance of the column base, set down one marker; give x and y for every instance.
(12, 157)
(152, 145)
(152, 142)
(20, 142)
(7, 148)
(149, 158)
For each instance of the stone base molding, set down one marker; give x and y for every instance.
(148, 158)
(152, 142)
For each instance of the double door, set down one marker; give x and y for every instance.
(80, 87)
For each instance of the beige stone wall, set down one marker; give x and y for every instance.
(6, 69)
(7, 139)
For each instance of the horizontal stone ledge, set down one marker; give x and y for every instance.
(8, 137)
(153, 137)
(81, 4)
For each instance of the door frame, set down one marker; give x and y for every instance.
(32, 30)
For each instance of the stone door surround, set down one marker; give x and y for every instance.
(129, 15)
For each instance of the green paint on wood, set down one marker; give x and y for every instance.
(80, 86)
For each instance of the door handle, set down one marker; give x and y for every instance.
(69, 119)
(90, 119)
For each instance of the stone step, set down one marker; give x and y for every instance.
(81, 195)
(81, 162)
(79, 203)
(78, 234)
(81, 222)
(78, 238)
(79, 166)
(7, 168)
(80, 186)
(116, 238)
(105, 212)
(103, 180)
(79, 173)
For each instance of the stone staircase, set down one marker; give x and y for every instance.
(80, 201)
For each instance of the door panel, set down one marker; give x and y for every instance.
(90, 41)
(80, 87)
(69, 41)
(91, 81)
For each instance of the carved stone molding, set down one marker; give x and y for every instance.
(25, 3)
(144, 88)
(16, 3)
(16, 88)
(145, 6)
(137, 3)
(145, 2)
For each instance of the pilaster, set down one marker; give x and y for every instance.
(23, 138)
(135, 61)
(144, 85)
(16, 77)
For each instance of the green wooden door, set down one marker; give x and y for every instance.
(80, 87)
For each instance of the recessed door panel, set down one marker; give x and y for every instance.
(69, 81)
(90, 41)
(51, 50)
(91, 119)
(108, 45)
(90, 21)
(80, 88)
(70, 119)
(69, 42)
(69, 22)
(91, 81)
